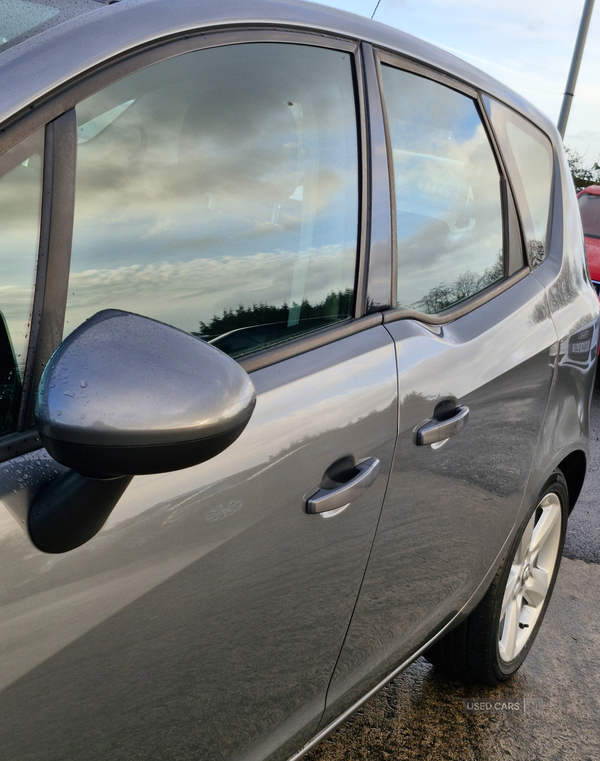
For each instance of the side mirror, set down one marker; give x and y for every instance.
(125, 395)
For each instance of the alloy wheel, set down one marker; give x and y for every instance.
(529, 577)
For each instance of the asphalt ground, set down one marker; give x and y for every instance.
(550, 710)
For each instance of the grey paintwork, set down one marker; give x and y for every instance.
(207, 617)
(123, 380)
(448, 510)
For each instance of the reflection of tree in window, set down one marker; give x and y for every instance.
(468, 284)
(245, 329)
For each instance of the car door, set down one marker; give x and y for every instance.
(476, 354)
(217, 189)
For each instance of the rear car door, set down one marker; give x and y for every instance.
(217, 189)
(476, 352)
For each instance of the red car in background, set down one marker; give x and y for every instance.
(589, 207)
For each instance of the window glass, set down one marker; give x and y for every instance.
(218, 192)
(589, 207)
(448, 204)
(528, 155)
(20, 203)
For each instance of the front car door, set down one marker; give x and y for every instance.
(217, 189)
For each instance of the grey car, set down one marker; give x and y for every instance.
(297, 351)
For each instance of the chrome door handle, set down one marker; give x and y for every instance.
(438, 430)
(331, 499)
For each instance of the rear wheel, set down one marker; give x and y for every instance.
(493, 641)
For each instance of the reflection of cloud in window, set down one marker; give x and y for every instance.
(185, 293)
(230, 179)
(449, 217)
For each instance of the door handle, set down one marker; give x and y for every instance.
(331, 499)
(438, 430)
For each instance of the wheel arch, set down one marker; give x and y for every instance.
(574, 467)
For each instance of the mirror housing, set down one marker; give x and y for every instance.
(126, 395)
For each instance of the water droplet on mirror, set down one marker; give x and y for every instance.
(83, 383)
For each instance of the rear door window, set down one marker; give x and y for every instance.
(218, 192)
(447, 193)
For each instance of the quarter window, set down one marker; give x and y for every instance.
(218, 192)
(528, 155)
(447, 193)
(20, 204)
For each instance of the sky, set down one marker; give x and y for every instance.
(526, 44)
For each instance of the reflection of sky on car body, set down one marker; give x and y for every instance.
(230, 179)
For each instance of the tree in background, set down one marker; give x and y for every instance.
(582, 176)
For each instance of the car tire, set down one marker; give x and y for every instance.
(493, 641)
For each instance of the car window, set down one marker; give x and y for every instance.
(589, 207)
(20, 204)
(218, 192)
(528, 155)
(448, 202)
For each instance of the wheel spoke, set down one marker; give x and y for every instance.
(543, 529)
(510, 588)
(536, 587)
(508, 643)
(525, 542)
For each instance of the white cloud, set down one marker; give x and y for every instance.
(527, 46)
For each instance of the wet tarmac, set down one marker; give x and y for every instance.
(550, 711)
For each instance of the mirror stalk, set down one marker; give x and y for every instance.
(71, 509)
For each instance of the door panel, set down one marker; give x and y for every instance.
(449, 509)
(205, 619)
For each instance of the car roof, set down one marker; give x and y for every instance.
(95, 31)
(592, 190)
